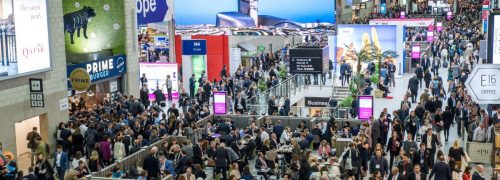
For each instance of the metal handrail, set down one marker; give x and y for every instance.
(339, 112)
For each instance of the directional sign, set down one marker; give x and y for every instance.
(153, 11)
(483, 84)
(36, 85)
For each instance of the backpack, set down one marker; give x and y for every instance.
(91, 137)
(445, 64)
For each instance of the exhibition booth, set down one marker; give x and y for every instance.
(402, 25)
(153, 42)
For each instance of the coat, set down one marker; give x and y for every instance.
(441, 171)
(105, 150)
(375, 132)
(413, 84)
(152, 165)
(197, 154)
(221, 157)
(119, 151)
(64, 162)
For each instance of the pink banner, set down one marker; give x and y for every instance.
(439, 26)
(430, 36)
(365, 109)
(415, 52)
(402, 15)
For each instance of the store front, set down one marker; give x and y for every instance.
(106, 76)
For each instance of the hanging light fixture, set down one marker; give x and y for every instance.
(90, 93)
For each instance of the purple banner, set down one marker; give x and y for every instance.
(402, 15)
(365, 109)
(415, 52)
(220, 103)
(449, 14)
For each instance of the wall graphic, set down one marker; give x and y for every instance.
(93, 29)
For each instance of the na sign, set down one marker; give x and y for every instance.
(152, 11)
(483, 84)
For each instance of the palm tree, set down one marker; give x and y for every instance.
(378, 55)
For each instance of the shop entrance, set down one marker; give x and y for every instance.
(22, 130)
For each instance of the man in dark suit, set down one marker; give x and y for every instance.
(65, 133)
(286, 105)
(182, 163)
(61, 162)
(198, 153)
(478, 175)
(152, 164)
(413, 87)
(405, 167)
(221, 158)
(422, 158)
(191, 86)
(441, 170)
(249, 148)
(419, 71)
(343, 72)
(278, 128)
(31, 174)
(128, 142)
(395, 174)
(262, 167)
(417, 175)
(431, 143)
(271, 105)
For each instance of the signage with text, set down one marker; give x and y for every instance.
(494, 38)
(430, 36)
(194, 47)
(480, 152)
(316, 101)
(365, 108)
(220, 103)
(102, 69)
(415, 52)
(309, 60)
(153, 11)
(483, 83)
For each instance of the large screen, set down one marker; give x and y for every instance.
(220, 103)
(156, 73)
(210, 17)
(352, 39)
(24, 34)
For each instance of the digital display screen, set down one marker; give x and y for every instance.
(23, 51)
(220, 103)
(415, 52)
(156, 73)
(365, 109)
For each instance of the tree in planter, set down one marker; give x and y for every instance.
(378, 55)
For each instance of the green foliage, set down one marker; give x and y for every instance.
(374, 78)
(282, 72)
(347, 102)
(262, 85)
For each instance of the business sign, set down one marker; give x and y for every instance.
(36, 93)
(483, 83)
(383, 8)
(309, 60)
(101, 69)
(402, 15)
(449, 15)
(365, 108)
(23, 51)
(194, 47)
(79, 79)
(480, 152)
(439, 26)
(415, 52)
(157, 73)
(316, 101)
(153, 11)
(220, 103)
(430, 36)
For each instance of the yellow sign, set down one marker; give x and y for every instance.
(79, 79)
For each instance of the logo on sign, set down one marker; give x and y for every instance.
(80, 79)
(144, 6)
(120, 64)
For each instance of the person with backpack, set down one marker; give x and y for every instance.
(31, 137)
(90, 139)
(350, 161)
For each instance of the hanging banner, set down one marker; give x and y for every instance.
(154, 11)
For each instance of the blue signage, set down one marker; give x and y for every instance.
(102, 69)
(383, 9)
(152, 11)
(194, 47)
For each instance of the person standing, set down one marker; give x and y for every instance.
(144, 79)
(61, 162)
(192, 84)
(479, 174)
(286, 105)
(419, 71)
(169, 88)
(417, 174)
(343, 72)
(221, 158)
(31, 137)
(392, 72)
(144, 95)
(152, 165)
(413, 87)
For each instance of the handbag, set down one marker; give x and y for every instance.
(210, 162)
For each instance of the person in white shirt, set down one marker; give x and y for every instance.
(479, 133)
(263, 135)
(285, 136)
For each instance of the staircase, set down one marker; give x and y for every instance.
(340, 92)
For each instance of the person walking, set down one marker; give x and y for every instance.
(413, 87)
(31, 137)
(152, 165)
(169, 88)
(192, 84)
(221, 158)
(441, 170)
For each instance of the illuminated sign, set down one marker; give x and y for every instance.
(102, 69)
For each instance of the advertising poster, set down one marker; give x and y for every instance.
(220, 103)
(203, 14)
(23, 50)
(353, 38)
(439, 26)
(156, 73)
(199, 65)
(93, 29)
(449, 15)
(430, 36)
(365, 109)
(154, 11)
(415, 52)
(402, 15)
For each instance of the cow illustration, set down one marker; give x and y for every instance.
(78, 20)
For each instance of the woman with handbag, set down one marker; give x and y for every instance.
(456, 152)
(43, 169)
